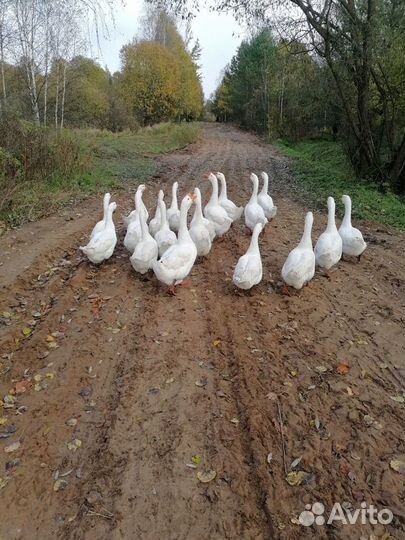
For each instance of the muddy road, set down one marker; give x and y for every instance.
(116, 395)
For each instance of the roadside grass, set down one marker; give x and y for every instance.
(106, 161)
(321, 169)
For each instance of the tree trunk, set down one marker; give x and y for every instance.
(62, 113)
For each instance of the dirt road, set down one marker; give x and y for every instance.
(127, 389)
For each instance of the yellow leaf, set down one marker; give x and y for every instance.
(50, 338)
(3, 420)
(206, 476)
(26, 331)
(216, 343)
(196, 459)
(295, 478)
(398, 465)
(363, 373)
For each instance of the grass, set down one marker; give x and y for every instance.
(321, 169)
(107, 161)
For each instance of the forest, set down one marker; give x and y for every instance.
(341, 72)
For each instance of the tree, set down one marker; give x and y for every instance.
(352, 37)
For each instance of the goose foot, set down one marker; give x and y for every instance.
(186, 283)
(326, 274)
(172, 290)
(359, 257)
(284, 290)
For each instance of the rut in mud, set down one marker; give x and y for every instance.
(113, 351)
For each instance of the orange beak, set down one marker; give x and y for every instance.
(194, 197)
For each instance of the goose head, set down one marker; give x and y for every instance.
(264, 175)
(187, 201)
(212, 178)
(346, 199)
(220, 176)
(254, 179)
(112, 207)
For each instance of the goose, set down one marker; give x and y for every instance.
(328, 249)
(134, 232)
(164, 237)
(233, 211)
(209, 225)
(299, 268)
(198, 231)
(101, 246)
(133, 214)
(353, 243)
(249, 270)
(154, 224)
(146, 250)
(264, 199)
(254, 213)
(173, 213)
(214, 212)
(99, 226)
(176, 263)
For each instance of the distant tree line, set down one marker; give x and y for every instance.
(336, 65)
(46, 77)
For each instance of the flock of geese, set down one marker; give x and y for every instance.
(169, 247)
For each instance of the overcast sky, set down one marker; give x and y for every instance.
(219, 36)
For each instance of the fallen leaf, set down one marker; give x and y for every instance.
(216, 343)
(22, 386)
(170, 381)
(202, 382)
(206, 476)
(71, 422)
(3, 420)
(321, 369)
(296, 462)
(50, 375)
(269, 458)
(363, 373)
(60, 485)
(50, 338)
(6, 314)
(343, 368)
(27, 331)
(398, 399)
(74, 445)
(37, 377)
(368, 420)
(362, 342)
(235, 421)
(12, 447)
(398, 465)
(317, 422)
(3, 482)
(295, 478)
(196, 459)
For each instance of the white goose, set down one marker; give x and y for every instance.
(102, 245)
(299, 268)
(164, 237)
(176, 263)
(352, 239)
(173, 213)
(214, 212)
(198, 231)
(134, 231)
(328, 249)
(133, 214)
(254, 213)
(264, 199)
(99, 226)
(154, 224)
(249, 270)
(233, 211)
(209, 225)
(146, 250)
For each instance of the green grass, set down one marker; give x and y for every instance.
(321, 169)
(108, 161)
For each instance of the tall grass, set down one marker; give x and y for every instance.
(321, 169)
(40, 169)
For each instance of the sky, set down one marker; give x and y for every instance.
(219, 36)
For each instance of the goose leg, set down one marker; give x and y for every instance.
(172, 289)
(359, 257)
(284, 290)
(326, 274)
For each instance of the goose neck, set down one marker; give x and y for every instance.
(183, 234)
